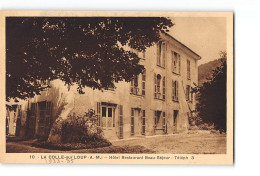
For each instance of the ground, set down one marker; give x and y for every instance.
(198, 142)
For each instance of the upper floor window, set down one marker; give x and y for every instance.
(159, 83)
(138, 84)
(175, 62)
(134, 85)
(110, 87)
(188, 69)
(175, 96)
(143, 82)
(161, 54)
(188, 93)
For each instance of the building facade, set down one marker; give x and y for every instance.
(158, 101)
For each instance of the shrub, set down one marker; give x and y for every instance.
(206, 126)
(77, 132)
(81, 129)
(194, 119)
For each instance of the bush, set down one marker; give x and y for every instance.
(194, 119)
(81, 129)
(206, 126)
(78, 132)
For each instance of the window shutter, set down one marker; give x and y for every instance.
(114, 110)
(120, 108)
(155, 119)
(155, 86)
(172, 54)
(177, 90)
(99, 114)
(179, 60)
(143, 122)
(158, 53)
(164, 88)
(143, 82)
(132, 122)
(163, 53)
(173, 90)
(188, 69)
(164, 121)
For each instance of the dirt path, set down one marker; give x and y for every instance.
(202, 142)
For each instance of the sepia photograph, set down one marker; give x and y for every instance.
(156, 85)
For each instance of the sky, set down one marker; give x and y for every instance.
(206, 36)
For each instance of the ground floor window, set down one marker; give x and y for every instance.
(160, 121)
(108, 118)
(175, 115)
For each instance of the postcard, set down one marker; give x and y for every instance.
(116, 87)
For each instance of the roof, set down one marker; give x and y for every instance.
(182, 44)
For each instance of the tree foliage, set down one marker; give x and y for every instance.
(211, 104)
(84, 51)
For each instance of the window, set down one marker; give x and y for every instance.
(108, 120)
(134, 86)
(159, 120)
(110, 87)
(175, 62)
(143, 82)
(175, 91)
(137, 86)
(132, 121)
(175, 115)
(157, 115)
(157, 87)
(161, 53)
(188, 93)
(188, 69)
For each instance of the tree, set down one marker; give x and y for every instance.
(211, 104)
(85, 51)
